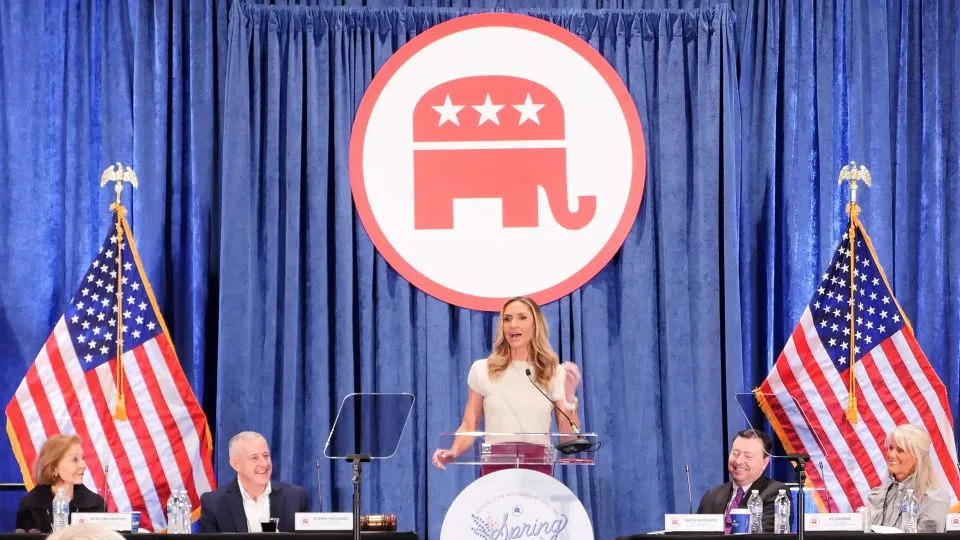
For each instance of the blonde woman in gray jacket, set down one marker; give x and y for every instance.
(908, 464)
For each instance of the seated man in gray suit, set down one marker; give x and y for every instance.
(749, 457)
(252, 498)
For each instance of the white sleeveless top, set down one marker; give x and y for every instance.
(511, 404)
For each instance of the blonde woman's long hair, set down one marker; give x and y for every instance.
(915, 440)
(542, 356)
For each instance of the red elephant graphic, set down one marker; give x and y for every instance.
(492, 137)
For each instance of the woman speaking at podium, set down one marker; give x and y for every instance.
(517, 389)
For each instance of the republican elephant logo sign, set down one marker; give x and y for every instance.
(508, 155)
(497, 155)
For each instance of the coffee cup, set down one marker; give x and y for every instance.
(269, 525)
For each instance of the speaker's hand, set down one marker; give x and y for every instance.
(441, 457)
(571, 381)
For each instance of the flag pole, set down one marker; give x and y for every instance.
(853, 174)
(117, 175)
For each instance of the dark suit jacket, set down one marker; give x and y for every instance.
(36, 507)
(221, 510)
(716, 500)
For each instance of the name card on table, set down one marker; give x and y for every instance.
(953, 522)
(693, 523)
(851, 521)
(117, 521)
(323, 521)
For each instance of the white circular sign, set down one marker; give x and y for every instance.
(516, 503)
(497, 155)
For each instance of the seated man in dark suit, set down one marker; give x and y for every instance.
(252, 498)
(749, 457)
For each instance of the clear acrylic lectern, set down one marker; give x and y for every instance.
(535, 451)
(367, 426)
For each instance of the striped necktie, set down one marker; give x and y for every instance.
(727, 525)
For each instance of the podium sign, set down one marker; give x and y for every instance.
(693, 523)
(116, 521)
(846, 521)
(516, 503)
(323, 521)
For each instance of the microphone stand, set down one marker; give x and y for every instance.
(106, 487)
(319, 489)
(800, 470)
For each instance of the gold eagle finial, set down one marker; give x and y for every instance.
(853, 173)
(118, 174)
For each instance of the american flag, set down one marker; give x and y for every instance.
(895, 383)
(70, 388)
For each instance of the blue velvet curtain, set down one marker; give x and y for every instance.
(279, 305)
(311, 313)
(880, 87)
(824, 84)
(83, 85)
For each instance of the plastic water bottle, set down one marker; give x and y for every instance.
(174, 513)
(909, 508)
(781, 513)
(61, 510)
(185, 510)
(864, 512)
(755, 506)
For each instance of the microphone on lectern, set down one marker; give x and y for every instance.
(573, 446)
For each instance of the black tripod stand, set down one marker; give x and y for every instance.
(800, 469)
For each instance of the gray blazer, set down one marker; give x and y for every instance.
(884, 503)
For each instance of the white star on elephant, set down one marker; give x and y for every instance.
(488, 111)
(448, 112)
(528, 111)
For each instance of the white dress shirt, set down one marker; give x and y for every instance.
(256, 510)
